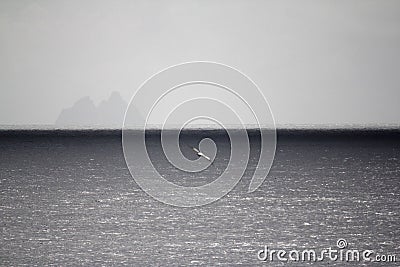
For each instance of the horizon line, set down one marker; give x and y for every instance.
(345, 126)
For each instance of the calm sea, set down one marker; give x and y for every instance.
(67, 199)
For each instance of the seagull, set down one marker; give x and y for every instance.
(200, 154)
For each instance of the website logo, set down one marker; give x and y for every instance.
(233, 97)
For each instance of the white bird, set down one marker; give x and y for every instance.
(200, 154)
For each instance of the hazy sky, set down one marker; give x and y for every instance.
(316, 61)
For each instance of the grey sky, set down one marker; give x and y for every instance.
(316, 61)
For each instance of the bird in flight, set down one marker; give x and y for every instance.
(201, 154)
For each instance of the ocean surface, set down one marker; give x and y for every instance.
(68, 199)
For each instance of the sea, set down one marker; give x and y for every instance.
(67, 198)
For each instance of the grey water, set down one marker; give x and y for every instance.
(68, 199)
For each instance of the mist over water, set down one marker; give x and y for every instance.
(82, 80)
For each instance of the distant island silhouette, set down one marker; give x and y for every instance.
(109, 113)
